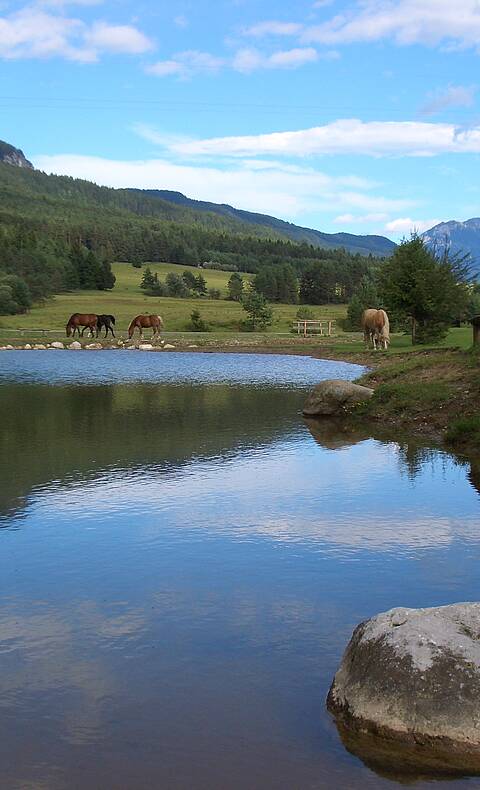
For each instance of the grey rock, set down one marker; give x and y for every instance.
(56, 344)
(145, 347)
(168, 347)
(410, 679)
(75, 346)
(335, 396)
(39, 347)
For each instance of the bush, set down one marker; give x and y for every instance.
(197, 324)
(214, 293)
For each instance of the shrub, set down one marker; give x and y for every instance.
(197, 324)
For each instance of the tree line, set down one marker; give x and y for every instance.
(32, 267)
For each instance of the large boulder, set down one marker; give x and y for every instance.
(75, 346)
(335, 396)
(56, 344)
(408, 689)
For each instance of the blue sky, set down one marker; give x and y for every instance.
(343, 115)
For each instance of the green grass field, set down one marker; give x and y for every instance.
(127, 300)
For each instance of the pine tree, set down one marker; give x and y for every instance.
(424, 290)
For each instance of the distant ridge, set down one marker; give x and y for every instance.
(364, 245)
(458, 237)
(169, 205)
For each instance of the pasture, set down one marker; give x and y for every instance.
(224, 317)
(127, 300)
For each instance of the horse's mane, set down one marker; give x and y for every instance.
(386, 325)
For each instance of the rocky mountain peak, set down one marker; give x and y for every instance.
(13, 156)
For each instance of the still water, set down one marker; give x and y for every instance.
(183, 560)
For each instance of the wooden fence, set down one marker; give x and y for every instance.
(324, 328)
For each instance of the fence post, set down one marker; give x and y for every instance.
(475, 321)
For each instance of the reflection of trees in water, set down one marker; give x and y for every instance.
(54, 433)
(413, 456)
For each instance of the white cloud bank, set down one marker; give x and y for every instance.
(428, 22)
(33, 32)
(245, 60)
(349, 136)
(270, 188)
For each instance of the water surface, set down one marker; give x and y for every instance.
(183, 559)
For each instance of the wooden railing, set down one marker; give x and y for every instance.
(324, 328)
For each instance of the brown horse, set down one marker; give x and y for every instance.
(85, 320)
(142, 322)
(376, 328)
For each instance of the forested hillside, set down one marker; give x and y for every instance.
(59, 233)
(365, 245)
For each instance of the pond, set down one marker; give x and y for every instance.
(182, 562)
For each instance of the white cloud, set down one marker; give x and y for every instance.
(275, 189)
(247, 60)
(34, 33)
(117, 38)
(186, 64)
(429, 22)
(453, 96)
(350, 136)
(403, 226)
(273, 28)
(359, 219)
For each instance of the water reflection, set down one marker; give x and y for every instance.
(181, 567)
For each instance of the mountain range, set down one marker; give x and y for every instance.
(378, 246)
(176, 207)
(458, 237)
(461, 237)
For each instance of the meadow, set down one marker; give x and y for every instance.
(223, 316)
(127, 300)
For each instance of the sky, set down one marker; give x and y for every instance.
(359, 116)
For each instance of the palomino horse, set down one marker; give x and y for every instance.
(85, 320)
(376, 328)
(106, 321)
(142, 322)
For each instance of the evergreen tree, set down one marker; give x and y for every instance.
(200, 285)
(189, 279)
(260, 314)
(235, 287)
(424, 290)
(176, 285)
(365, 296)
(148, 280)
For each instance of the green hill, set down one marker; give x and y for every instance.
(365, 245)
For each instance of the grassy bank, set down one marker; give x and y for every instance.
(434, 392)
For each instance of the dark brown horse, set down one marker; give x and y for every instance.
(84, 320)
(142, 322)
(107, 322)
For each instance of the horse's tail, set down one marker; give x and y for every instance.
(131, 328)
(161, 321)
